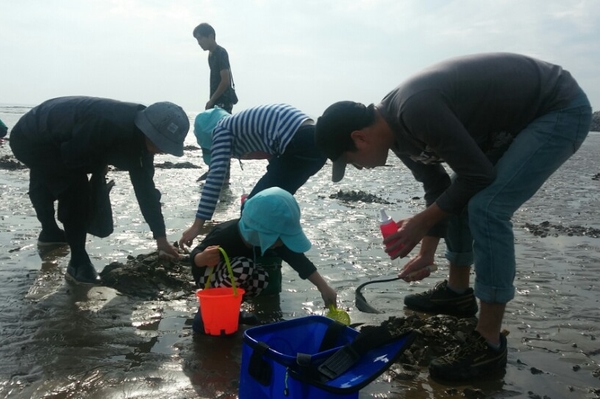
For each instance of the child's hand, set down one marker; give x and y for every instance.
(329, 295)
(211, 256)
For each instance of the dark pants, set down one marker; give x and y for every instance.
(49, 181)
(292, 169)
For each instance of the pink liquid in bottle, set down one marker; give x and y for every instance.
(388, 227)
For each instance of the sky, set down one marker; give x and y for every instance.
(307, 53)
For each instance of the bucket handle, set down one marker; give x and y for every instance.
(207, 284)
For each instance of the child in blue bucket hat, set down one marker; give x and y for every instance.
(270, 221)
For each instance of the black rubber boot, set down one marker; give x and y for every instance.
(81, 270)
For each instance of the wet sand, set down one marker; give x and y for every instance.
(64, 341)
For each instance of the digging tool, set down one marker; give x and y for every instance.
(361, 302)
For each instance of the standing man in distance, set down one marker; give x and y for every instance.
(222, 88)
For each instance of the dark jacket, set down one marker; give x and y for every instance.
(227, 235)
(73, 135)
(466, 112)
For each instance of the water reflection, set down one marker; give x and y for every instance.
(58, 341)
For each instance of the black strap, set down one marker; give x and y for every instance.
(331, 335)
(259, 368)
(350, 353)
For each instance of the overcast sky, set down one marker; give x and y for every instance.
(308, 53)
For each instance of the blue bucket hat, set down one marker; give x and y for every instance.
(166, 125)
(271, 214)
(204, 124)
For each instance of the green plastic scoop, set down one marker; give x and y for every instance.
(338, 315)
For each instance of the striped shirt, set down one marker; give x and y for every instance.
(255, 133)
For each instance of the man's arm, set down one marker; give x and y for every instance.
(223, 86)
(148, 198)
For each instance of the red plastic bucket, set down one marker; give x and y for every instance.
(220, 309)
(220, 306)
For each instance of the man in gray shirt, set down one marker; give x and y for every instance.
(503, 123)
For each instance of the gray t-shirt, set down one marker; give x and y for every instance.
(465, 112)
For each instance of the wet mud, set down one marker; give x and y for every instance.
(9, 162)
(132, 336)
(546, 229)
(153, 278)
(358, 196)
(150, 277)
(178, 165)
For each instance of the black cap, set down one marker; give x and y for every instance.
(333, 130)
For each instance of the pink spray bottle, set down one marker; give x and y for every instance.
(388, 227)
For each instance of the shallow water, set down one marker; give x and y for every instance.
(61, 341)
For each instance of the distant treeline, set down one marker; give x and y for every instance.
(595, 122)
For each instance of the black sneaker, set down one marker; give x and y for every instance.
(83, 273)
(475, 358)
(441, 300)
(55, 238)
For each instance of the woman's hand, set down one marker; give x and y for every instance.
(188, 236)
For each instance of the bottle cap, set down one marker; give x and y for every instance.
(383, 217)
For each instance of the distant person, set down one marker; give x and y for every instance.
(270, 221)
(64, 139)
(3, 129)
(503, 123)
(222, 87)
(278, 132)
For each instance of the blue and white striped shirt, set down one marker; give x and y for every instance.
(265, 129)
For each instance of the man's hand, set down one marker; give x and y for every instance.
(421, 265)
(413, 229)
(165, 249)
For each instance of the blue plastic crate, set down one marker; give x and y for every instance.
(271, 356)
(285, 340)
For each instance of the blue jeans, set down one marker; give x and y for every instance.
(483, 233)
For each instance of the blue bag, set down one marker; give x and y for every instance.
(315, 357)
